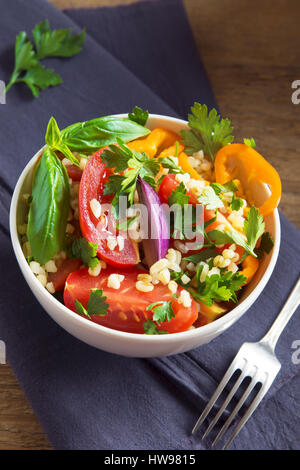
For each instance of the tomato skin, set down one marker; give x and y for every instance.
(127, 306)
(96, 230)
(74, 172)
(68, 266)
(170, 184)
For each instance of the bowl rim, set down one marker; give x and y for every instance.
(205, 330)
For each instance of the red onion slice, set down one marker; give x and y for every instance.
(157, 244)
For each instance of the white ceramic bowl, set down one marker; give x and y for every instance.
(129, 344)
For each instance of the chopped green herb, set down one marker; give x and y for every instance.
(266, 245)
(208, 131)
(224, 188)
(162, 311)
(138, 115)
(125, 224)
(210, 199)
(250, 142)
(228, 236)
(86, 251)
(120, 158)
(237, 203)
(177, 201)
(179, 196)
(167, 162)
(201, 256)
(96, 304)
(253, 227)
(150, 328)
(217, 287)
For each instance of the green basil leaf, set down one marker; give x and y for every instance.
(87, 137)
(49, 208)
(52, 136)
(53, 139)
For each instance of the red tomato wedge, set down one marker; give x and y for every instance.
(170, 184)
(127, 306)
(96, 230)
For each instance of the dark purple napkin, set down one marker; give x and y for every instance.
(85, 398)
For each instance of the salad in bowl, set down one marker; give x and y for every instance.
(148, 230)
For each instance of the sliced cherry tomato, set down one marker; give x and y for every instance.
(67, 267)
(127, 306)
(168, 185)
(96, 230)
(74, 172)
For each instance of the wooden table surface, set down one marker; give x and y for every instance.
(251, 52)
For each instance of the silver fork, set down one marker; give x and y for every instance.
(257, 361)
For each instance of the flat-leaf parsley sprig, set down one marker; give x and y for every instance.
(254, 228)
(121, 158)
(95, 306)
(55, 43)
(208, 131)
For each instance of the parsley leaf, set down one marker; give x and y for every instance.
(208, 131)
(210, 199)
(250, 142)
(117, 157)
(27, 69)
(113, 184)
(162, 311)
(167, 162)
(224, 188)
(228, 236)
(25, 58)
(237, 203)
(121, 158)
(179, 196)
(138, 115)
(150, 328)
(254, 227)
(201, 256)
(177, 201)
(56, 43)
(218, 287)
(81, 310)
(95, 306)
(39, 78)
(266, 245)
(125, 224)
(86, 251)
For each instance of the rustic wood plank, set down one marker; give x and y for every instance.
(250, 50)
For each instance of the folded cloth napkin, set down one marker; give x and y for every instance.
(83, 397)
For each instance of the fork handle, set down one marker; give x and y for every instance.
(284, 316)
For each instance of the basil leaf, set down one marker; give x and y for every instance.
(53, 139)
(49, 208)
(89, 136)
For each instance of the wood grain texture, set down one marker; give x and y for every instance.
(251, 53)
